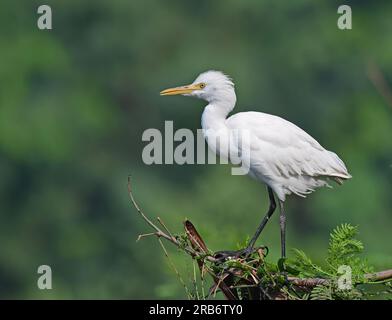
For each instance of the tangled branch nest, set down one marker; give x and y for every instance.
(253, 278)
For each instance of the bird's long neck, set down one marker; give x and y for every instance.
(215, 113)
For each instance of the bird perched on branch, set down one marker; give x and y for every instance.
(281, 155)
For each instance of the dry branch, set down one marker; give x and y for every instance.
(198, 250)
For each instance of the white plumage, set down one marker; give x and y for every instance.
(283, 156)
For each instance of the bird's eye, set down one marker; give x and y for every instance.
(202, 85)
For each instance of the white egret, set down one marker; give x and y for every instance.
(282, 156)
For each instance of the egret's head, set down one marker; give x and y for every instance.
(212, 86)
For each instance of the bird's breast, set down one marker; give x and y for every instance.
(217, 140)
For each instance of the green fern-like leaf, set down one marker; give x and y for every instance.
(343, 245)
(304, 265)
(321, 292)
(344, 249)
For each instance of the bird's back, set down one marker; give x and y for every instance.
(284, 156)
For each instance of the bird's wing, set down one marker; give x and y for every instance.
(281, 149)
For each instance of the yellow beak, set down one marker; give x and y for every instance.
(180, 90)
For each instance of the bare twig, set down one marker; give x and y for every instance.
(312, 282)
(164, 226)
(158, 232)
(309, 282)
(379, 276)
(144, 235)
(174, 268)
(199, 251)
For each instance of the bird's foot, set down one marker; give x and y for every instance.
(222, 256)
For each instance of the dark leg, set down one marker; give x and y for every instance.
(260, 228)
(282, 222)
(226, 254)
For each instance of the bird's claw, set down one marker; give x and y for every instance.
(222, 256)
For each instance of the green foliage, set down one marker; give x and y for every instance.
(75, 100)
(342, 244)
(304, 265)
(342, 276)
(344, 250)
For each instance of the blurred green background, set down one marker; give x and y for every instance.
(75, 100)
